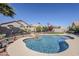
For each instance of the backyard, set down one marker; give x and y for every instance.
(52, 37)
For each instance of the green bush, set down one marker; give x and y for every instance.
(44, 29)
(38, 29)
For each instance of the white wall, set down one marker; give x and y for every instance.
(59, 30)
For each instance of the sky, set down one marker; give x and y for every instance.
(54, 14)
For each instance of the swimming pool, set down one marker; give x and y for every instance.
(47, 43)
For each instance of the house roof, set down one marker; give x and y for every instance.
(14, 21)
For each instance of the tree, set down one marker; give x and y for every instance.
(38, 28)
(73, 29)
(77, 29)
(44, 29)
(6, 10)
(50, 28)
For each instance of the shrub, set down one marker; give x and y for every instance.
(44, 29)
(38, 29)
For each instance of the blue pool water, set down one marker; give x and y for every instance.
(47, 43)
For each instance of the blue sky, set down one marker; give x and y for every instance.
(55, 14)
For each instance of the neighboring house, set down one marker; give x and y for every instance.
(20, 24)
(59, 29)
(3, 30)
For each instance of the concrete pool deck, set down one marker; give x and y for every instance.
(18, 48)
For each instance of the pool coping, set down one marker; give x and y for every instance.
(18, 48)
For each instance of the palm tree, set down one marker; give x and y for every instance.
(6, 10)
